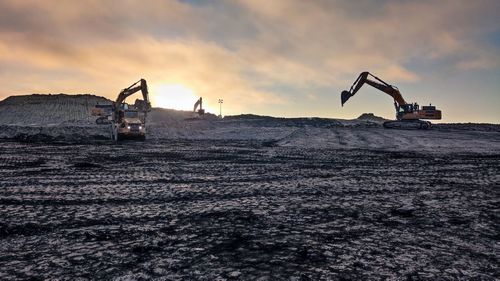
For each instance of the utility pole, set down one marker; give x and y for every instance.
(220, 107)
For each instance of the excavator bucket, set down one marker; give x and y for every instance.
(344, 96)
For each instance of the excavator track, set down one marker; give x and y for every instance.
(407, 124)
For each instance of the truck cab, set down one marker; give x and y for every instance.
(131, 125)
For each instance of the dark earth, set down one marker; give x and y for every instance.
(248, 210)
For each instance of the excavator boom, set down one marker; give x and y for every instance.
(132, 89)
(199, 103)
(377, 83)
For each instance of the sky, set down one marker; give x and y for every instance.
(289, 58)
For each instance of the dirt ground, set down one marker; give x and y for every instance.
(250, 210)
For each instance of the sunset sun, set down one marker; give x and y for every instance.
(174, 96)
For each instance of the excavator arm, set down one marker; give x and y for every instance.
(132, 89)
(199, 103)
(372, 80)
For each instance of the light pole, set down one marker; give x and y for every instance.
(220, 107)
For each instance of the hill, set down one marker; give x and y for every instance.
(48, 109)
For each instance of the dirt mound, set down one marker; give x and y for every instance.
(48, 109)
(371, 117)
(249, 116)
(50, 98)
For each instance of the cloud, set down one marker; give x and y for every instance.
(386, 37)
(250, 52)
(211, 71)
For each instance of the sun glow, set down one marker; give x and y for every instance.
(174, 96)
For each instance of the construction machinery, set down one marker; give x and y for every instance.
(199, 103)
(408, 115)
(126, 121)
(104, 112)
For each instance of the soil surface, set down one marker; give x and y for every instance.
(246, 209)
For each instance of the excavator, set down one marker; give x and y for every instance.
(199, 103)
(198, 111)
(408, 115)
(126, 121)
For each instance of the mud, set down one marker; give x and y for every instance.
(248, 210)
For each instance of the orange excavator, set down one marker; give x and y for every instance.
(408, 115)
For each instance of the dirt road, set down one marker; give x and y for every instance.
(245, 210)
